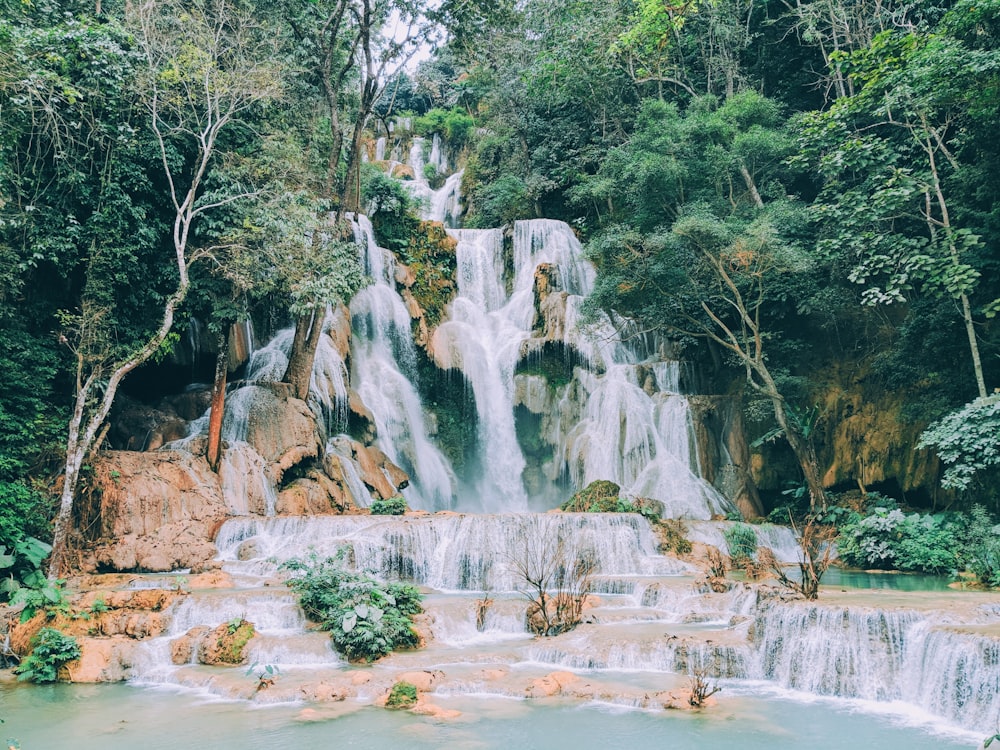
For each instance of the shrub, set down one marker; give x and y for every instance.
(402, 695)
(742, 543)
(51, 650)
(979, 542)
(394, 506)
(890, 539)
(366, 619)
(600, 496)
(454, 124)
(673, 536)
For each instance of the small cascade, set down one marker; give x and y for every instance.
(444, 204)
(847, 652)
(780, 539)
(953, 674)
(453, 553)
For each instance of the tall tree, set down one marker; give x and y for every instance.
(204, 65)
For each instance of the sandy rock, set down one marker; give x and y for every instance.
(371, 473)
(424, 707)
(158, 508)
(324, 692)
(493, 674)
(101, 660)
(225, 646)
(361, 678)
(551, 684)
(184, 649)
(402, 172)
(340, 331)
(424, 681)
(361, 419)
(404, 275)
(212, 579)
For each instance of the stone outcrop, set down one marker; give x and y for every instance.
(153, 511)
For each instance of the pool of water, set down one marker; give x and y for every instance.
(120, 717)
(861, 579)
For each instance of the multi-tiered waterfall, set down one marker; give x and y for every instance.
(560, 399)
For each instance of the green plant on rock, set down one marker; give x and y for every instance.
(366, 619)
(742, 543)
(600, 496)
(402, 695)
(393, 506)
(673, 536)
(266, 674)
(233, 642)
(51, 649)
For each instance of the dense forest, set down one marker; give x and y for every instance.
(803, 196)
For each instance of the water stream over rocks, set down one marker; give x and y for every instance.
(561, 398)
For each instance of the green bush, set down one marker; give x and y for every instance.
(979, 537)
(394, 506)
(366, 619)
(402, 695)
(50, 650)
(742, 543)
(454, 124)
(890, 539)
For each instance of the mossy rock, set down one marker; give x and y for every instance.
(402, 695)
(600, 496)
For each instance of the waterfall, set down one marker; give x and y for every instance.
(881, 656)
(453, 553)
(384, 373)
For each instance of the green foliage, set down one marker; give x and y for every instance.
(673, 536)
(891, 539)
(742, 543)
(234, 640)
(51, 649)
(979, 539)
(455, 125)
(393, 506)
(366, 619)
(390, 208)
(967, 441)
(430, 254)
(402, 695)
(40, 595)
(600, 496)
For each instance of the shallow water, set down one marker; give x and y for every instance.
(113, 717)
(861, 579)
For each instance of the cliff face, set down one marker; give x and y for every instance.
(862, 438)
(157, 511)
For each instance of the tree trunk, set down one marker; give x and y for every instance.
(308, 329)
(805, 452)
(218, 408)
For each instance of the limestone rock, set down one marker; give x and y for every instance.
(424, 680)
(225, 645)
(281, 428)
(101, 660)
(157, 509)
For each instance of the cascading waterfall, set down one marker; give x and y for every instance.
(384, 363)
(616, 413)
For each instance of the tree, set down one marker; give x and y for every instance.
(204, 66)
(352, 48)
(710, 259)
(888, 155)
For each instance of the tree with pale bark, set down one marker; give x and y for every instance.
(205, 66)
